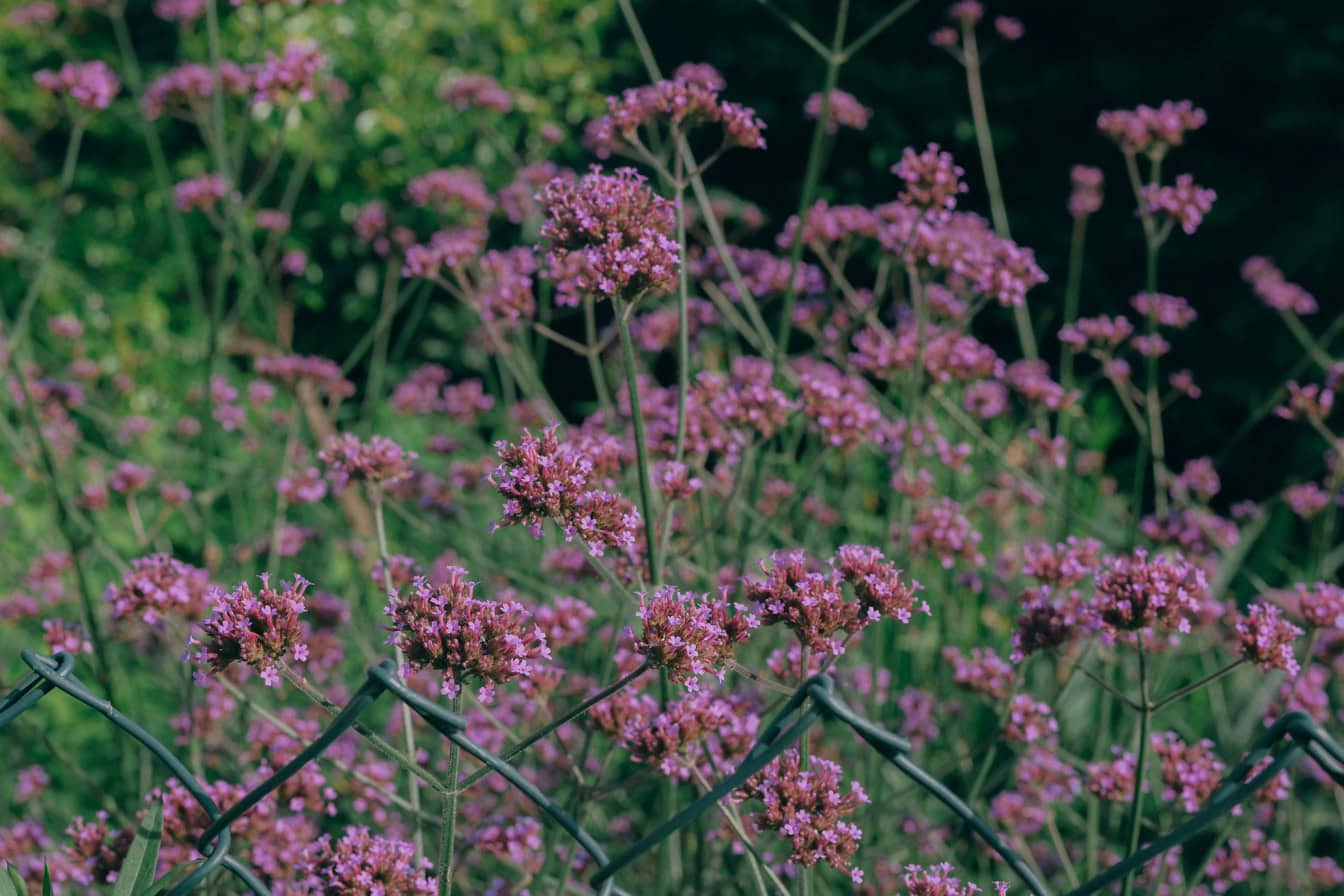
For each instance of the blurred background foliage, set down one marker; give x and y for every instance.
(1271, 76)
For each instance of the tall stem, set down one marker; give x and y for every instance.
(407, 718)
(448, 830)
(993, 186)
(641, 442)
(811, 176)
(1072, 295)
(1136, 801)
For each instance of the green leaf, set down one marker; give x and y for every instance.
(11, 884)
(171, 878)
(46, 881)
(137, 872)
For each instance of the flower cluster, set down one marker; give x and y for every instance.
(361, 863)
(843, 110)
(1276, 291)
(378, 460)
(615, 229)
(1266, 638)
(290, 76)
(1137, 592)
(1152, 130)
(1190, 772)
(932, 180)
(938, 880)
(1086, 196)
(90, 85)
(258, 629)
(688, 100)
(809, 808)
(446, 628)
(1185, 202)
(157, 588)
(542, 478)
(690, 635)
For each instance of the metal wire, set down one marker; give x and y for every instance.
(1284, 743)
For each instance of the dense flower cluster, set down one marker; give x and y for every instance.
(257, 629)
(615, 229)
(1266, 638)
(688, 100)
(346, 457)
(1086, 196)
(359, 863)
(1185, 202)
(1276, 291)
(446, 628)
(1190, 772)
(843, 110)
(808, 806)
(1138, 592)
(937, 880)
(690, 635)
(158, 588)
(90, 85)
(1152, 130)
(290, 76)
(932, 180)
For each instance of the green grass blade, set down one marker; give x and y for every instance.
(137, 872)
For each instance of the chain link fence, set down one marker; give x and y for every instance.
(1282, 745)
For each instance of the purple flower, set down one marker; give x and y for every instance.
(360, 863)
(1086, 196)
(91, 85)
(690, 635)
(257, 629)
(1266, 638)
(201, 193)
(1136, 593)
(1185, 202)
(932, 179)
(844, 111)
(378, 460)
(290, 76)
(1150, 130)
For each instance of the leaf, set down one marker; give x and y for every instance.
(171, 878)
(11, 884)
(137, 872)
(46, 881)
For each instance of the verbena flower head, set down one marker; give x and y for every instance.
(255, 628)
(90, 85)
(690, 635)
(984, 671)
(1184, 202)
(61, 636)
(201, 193)
(877, 584)
(299, 371)
(1138, 592)
(542, 478)
(379, 460)
(932, 180)
(937, 880)
(182, 88)
(1030, 720)
(617, 228)
(1190, 772)
(361, 863)
(1269, 284)
(1113, 780)
(687, 101)
(452, 190)
(291, 76)
(476, 91)
(158, 587)
(1266, 638)
(1086, 196)
(808, 807)
(1152, 130)
(1322, 604)
(808, 602)
(844, 111)
(447, 629)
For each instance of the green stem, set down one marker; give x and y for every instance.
(993, 186)
(595, 362)
(448, 830)
(641, 442)
(1140, 768)
(811, 177)
(1072, 295)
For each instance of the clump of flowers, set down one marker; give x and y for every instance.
(877, 584)
(201, 193)
(1184, 202)
(1190, 772)
(379, 460)
(808, 602)
(937, 880)
(257, 629)
(444, 627)
(809, 808)
(617, 230)
(1136, 593)
(932, 180)
(1152, 130)
(159, 587)
(542, 478)
(688, 100)
(1266, 638)
(1030, 720)
(1086, 196)
(844, 110)
(90, 85)
(361, 863)
(690, 635)
(984, 671)
(290, 76)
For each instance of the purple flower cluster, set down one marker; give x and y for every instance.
(202, 193)
(932, 180)
(984, 671)
(90, 85)
(844, 111)
(258, 629)
(1137, 592)
(1266, 638)
(687, 101)
(444, 627)
(1190, 772)
(1272, 288)
(937, 880)
(690, 635)
(1184, 202)
(1086, 196)
(361, 863)
(476, 91)
(541, 479)
(1152, 130)
(157, 588)
(379, 460)
(185, 87)
(616, 229)
(290, 76)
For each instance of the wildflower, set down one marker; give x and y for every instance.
(378, 460)
(1266, 638)
(1113, 780)
(1029, 721)
(1009, 28)
(158, 587)
(1061, 565)
(1169, 311)
(445, 628)
(201, 193)
(360, 863)
(450, 249)
(452, 190)
(844, 111)
(983, 672)
(687, 101)
(290, 76)
(1149, 130)
(1306, 499)
(541, 479)
(1322, 604)
(1185, 202)
(183, 88)
(675, 481)
(1136, 593)
(1086, 196)
(673, 741)
(257, 629)
(618, 228)
(1014, 810)
(941, 529)
(302, 487)
(1044, 776)
(129, 478)
(690, 635)
(1312, 401)
(837, 406)
(877, 584)
(809, 603)
(65, 637)
(1190, 772)
(1238, 860)
(294, 262)
(808, 807)
(1269, 284)
(564, 621)
(39, 12)
(932, 179)
(477, 91)
(937, 880)
(91, 85)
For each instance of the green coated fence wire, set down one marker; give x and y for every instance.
(1284, 743)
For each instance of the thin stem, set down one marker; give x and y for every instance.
(984, 141)
(407, 717)
(1191, 688)
(876, 29)
(594, 361)
(797, 28)
(811, 176)
(448, 831)
(1140, 767)
(641, 442)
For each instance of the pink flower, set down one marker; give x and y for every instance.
(445, 628)
(258, 629)
(1136, 593)
(1191, 772)
(459, 190)
(1266, 638)
(1184, 202)
(361, 863)
(158, 587)
(809, 603)
(984, 672)
(932, 179)
(1086, 196)
(477, 91)
(1150, 130)
(61, 636)
(844, 111)
(290, 76)
(91, 85)
(937, 880)
(1322, 604)
(201, 193)
(688, 101)
(1268, 283)
(877, 584)
(1029, 721)
(690, 635)
(378, 460)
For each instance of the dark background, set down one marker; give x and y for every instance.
(1269, 74)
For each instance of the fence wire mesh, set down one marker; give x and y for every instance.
(1283, 744)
